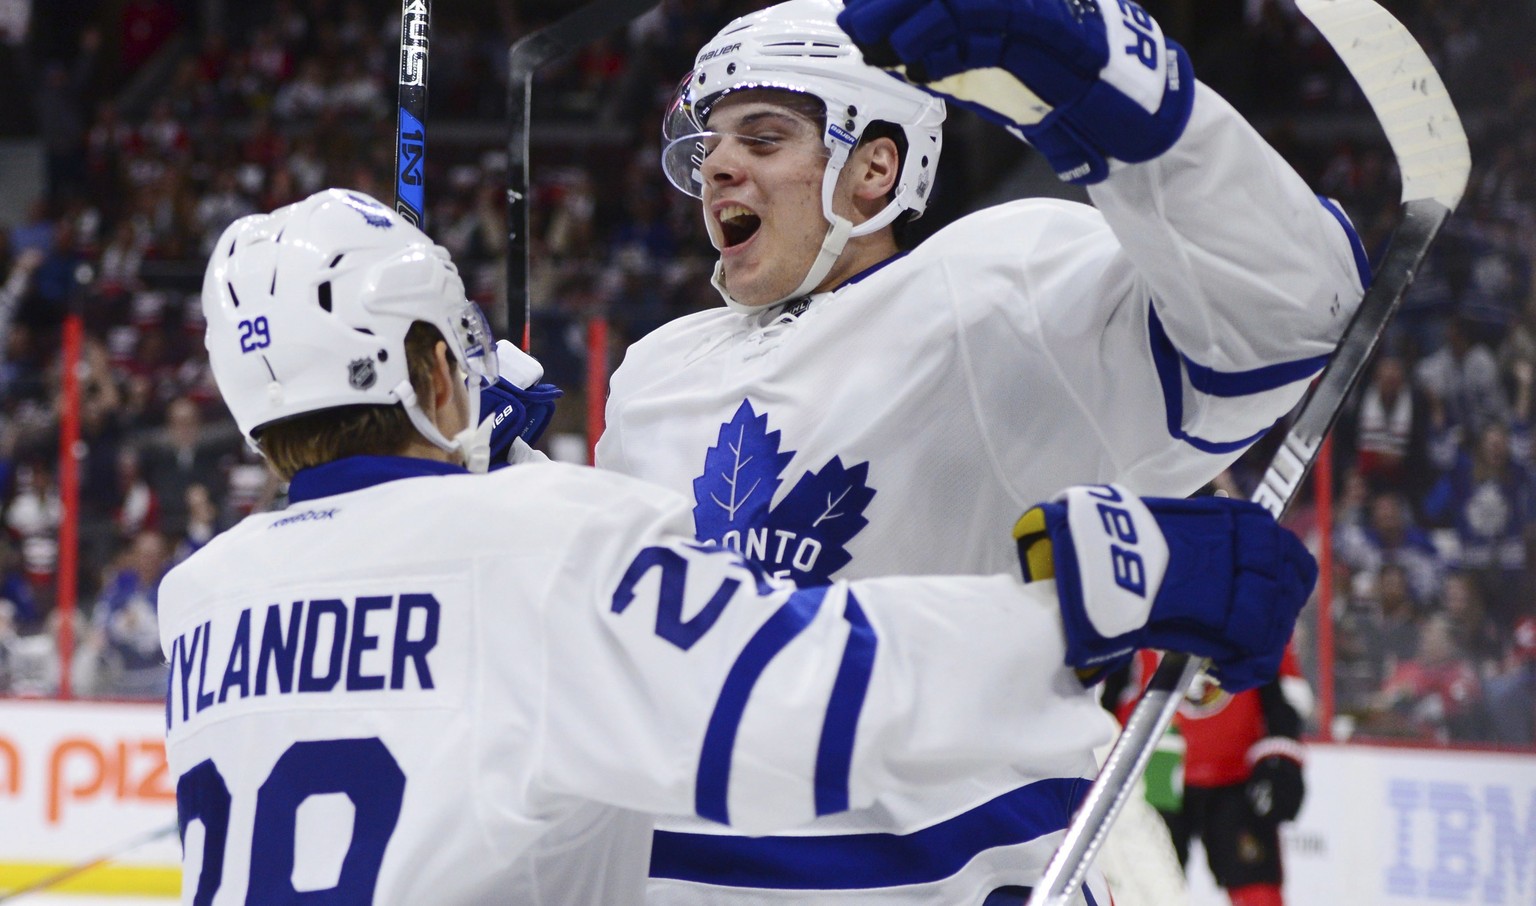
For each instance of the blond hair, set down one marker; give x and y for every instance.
(325, 435)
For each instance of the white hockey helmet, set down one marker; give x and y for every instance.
(308, 307)
(798, 46)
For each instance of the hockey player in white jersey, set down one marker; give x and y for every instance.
(851, 396)
(418, 684)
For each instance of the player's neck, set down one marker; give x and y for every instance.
(420, 448)
(861, 254)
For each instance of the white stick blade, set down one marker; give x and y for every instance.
(1405, 92)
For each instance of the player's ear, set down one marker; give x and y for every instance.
(875, 166)
(444, 376)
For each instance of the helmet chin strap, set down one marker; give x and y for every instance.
(473, 443)
(831, 249)
(832, 244)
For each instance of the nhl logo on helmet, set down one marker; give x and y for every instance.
(361, 374)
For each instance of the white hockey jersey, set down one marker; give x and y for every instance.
(900, 423)
(421, 686)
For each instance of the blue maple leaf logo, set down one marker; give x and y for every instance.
(374, 214)
(806, 535)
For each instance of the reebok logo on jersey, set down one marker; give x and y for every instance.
(804, 536)
(306, 516)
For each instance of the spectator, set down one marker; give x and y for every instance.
(1491, 501)
(219, 208)
(16, 594)
(1390, 536)
(1512, 691)
(202, 522)
(1393, 622)
(33, 661)
(1475, 632)
(137, 507)
(62, 105)
(183, 459)
(1357, 670)
(305, 95)
(124, 636)
(164, 134)
(251, 487)
(1388, 428)
(33, 520)
(1463, 377)
(1435, 695)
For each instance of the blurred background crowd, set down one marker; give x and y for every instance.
(155, 123)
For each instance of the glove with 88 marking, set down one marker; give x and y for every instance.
(1084, 81)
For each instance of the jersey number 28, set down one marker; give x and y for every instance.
(361, 769)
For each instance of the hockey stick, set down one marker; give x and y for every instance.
(73, 871)
(411, 124)
(1431, 149)
(527, 55)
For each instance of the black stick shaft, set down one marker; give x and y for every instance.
(531, 52)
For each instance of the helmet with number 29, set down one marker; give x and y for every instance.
(308, 308)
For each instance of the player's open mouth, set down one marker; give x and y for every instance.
(737, 225)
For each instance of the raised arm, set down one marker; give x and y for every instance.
(1227, 283)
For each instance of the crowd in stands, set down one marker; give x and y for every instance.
(162, 124)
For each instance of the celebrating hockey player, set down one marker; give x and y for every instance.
(858, 410)
(417, 684)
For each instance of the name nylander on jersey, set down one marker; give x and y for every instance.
(805, 535)
(356, 643)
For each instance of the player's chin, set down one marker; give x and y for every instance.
(748, 285)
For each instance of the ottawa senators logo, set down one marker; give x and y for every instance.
(1205, 698)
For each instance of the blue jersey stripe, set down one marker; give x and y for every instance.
(1362, 261)
(1169, 376)
(1209, 381)
(1244, 383)
(714, 778)
(865, 861)
(1019, 896)
(834, 756)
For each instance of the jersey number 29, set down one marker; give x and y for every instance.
(361, 769)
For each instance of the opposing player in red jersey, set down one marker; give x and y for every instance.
(1242, 774)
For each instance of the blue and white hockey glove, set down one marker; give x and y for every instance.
(1084, 81)
(1211, 577)
(520, 404)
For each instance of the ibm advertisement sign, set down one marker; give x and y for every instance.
(1394, 826)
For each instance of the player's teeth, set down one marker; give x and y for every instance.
(735, 211)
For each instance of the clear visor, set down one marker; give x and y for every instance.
(687, 141)
(681, 119)
(474, 336)
(683, 157)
